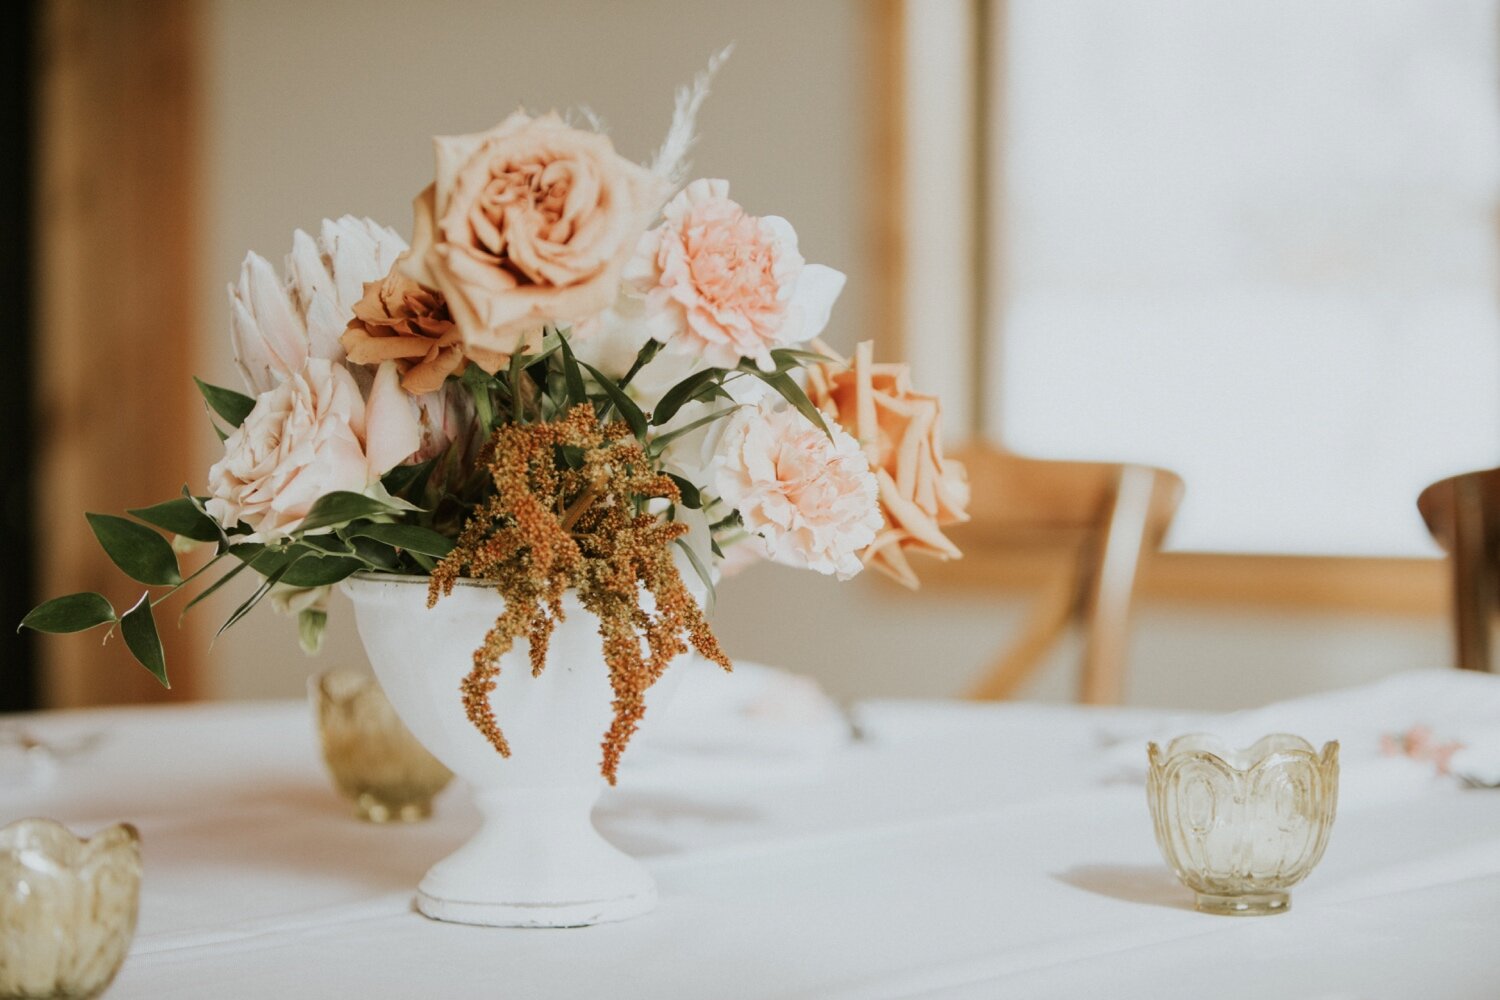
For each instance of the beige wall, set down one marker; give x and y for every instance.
(326, 108)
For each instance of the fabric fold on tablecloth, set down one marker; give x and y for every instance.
(755, 725)
(1453, 706)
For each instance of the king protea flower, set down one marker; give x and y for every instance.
(275, 325)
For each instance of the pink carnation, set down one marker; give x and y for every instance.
(812, 501)
(721, 285)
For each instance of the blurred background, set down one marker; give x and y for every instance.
(1250, 245)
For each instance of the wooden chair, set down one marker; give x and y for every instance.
(1463, 514)
(1093, 523)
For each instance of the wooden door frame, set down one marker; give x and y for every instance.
(116, 245)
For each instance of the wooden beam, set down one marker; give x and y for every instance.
(117, 177)
(1385, 586)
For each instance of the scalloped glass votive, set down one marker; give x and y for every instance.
(1241, 827)
(68, 908)
(376, 763)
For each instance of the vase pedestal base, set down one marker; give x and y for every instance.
(537, 861)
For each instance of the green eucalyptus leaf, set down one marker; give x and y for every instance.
(233, 407)
(408, 537)
(141, 553)
(69, 613)
(138, 626)
(481, 384)
(791, 357)
(213, 587)
(674, 398)
(342, 507)
(690, 497)
(711, 392)
(660, 442)
(405, 478)
(181, 516)
(573, 377)
(792, 393)
(376, 555)
(700, 569)
(223, 535)
(260, 592)
(629, 411)
(395, 503)
(307, 571)
(247, 552)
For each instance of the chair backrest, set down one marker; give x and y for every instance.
(1463, 514)
(1096, 521)
(1016, 497)
(1468, 496)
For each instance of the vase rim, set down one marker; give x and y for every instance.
(422, 579)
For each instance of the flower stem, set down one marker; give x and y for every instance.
(585, 500)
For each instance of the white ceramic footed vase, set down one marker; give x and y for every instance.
(537, 860)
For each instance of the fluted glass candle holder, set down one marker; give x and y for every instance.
(68, 908)
(375, 761)
(1241, 827)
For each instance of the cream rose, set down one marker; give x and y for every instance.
(309, 436)
(921, 491)
(528, 223)
(809, 498)
(725, 285)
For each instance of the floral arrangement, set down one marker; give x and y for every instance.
(581, 375)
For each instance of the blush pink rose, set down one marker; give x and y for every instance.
(725, 285)
(527, 224)
(812, 501)
(311, 435)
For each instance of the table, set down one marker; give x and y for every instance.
(957, 851)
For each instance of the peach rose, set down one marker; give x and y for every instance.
(811, 500)
(399, 320)
(309, 436)
(526, 224)
(729, 285)
(920, 490)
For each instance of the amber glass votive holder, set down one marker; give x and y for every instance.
(68, 908)
(1241, 827)
(375, 761)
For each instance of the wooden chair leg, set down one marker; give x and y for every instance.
(1049, 616)
(1111, 584)
(1474, 584)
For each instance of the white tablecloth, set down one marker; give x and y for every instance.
(958, 851)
